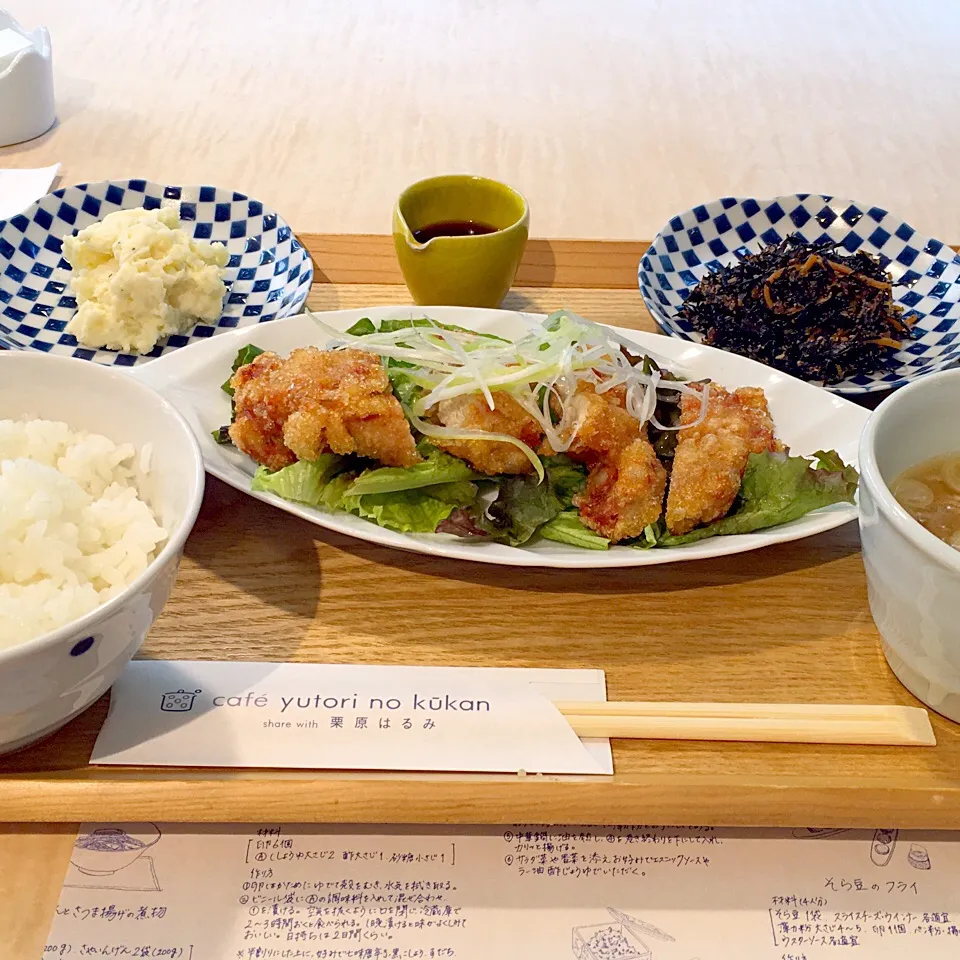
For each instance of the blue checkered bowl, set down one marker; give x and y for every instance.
(715, 234)
(268, 275)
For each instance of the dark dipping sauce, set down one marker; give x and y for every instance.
(452, 228)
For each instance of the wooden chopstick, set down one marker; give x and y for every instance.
(757, 722)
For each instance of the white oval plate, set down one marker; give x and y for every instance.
(808, 418)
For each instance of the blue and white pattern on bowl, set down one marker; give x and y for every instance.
(268, 275)
(716, 234)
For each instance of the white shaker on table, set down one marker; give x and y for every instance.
(26, 82)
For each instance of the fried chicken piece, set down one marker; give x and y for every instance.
(626, 483)
(603, 426)
(471, 412)
(624, 494)
(711, 457)
(259, 437)
(315, 402)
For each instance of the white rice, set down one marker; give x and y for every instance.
(73, 529)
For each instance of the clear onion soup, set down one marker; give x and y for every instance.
(930, 493)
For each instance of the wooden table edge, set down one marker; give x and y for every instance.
(348, 258)
(711, 801)
(354, 258)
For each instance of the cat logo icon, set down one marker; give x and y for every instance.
(179, 701)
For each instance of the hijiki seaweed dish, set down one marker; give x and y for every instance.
(808, 309)
(565, 434)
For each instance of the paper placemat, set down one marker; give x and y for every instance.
(589, 893)
(20, 188)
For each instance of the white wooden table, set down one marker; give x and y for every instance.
(610, 117)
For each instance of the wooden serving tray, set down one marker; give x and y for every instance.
(789, 623)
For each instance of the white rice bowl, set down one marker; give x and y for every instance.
(74, 531)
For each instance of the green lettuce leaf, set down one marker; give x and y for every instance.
(366, 326)
(461, 493)
(303, 481)
(565, 477)
(522, 505)
(318, 484)
(651, 534)
(567, 527)
(438, 467)
(405, 387)
(331, 497)
(362, 328)
(390, 326)
(246, 355)
(408, 511)
(776, 489)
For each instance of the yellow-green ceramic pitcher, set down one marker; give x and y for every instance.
(473, 270)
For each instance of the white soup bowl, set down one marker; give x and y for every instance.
(913, 577)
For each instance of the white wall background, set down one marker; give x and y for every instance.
(611, 115)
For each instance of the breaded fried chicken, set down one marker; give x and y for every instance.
(624, 494)
(471, 412)
(710, 457)
(259, 436)
(626, 483)
(316, 402)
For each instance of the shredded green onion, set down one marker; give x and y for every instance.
(542, 371)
